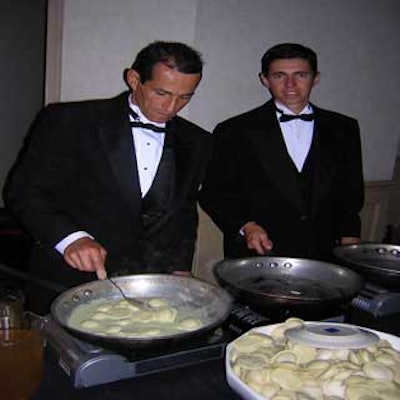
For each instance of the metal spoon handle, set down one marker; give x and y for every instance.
(135, 302)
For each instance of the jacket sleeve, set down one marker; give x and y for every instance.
(220, 196)
(42, 171)
(351, 184)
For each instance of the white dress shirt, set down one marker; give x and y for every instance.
(148, 149)
(298, 135)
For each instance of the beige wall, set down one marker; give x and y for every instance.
(208, 248)
(394, 202)
(356, 41)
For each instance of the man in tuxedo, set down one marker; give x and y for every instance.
(110, 186)
(286, 178)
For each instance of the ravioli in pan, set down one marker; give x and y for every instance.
(115, 317)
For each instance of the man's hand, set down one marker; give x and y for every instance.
(87, 255)
(256, 238)
(349, 240)
(183, 273)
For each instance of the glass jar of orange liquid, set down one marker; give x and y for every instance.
(21, 349)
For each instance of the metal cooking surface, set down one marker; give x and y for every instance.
(202, 300)
(87, 365)
(375, 256)
(290, 287)
(269, 281)
(386, 264)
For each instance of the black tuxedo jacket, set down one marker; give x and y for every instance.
(252, 178)
(78, 172)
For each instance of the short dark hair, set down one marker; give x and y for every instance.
(174, 54)
(287, 51)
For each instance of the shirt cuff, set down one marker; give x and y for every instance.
(241, 231)
(64, 243)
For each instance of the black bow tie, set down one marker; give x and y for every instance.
(144, 125)
(287, 117)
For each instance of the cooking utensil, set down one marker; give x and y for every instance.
(135, 302)
(266, 283)
(376, 262)
(197, 298)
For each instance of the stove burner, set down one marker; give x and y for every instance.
(89, 365)
(378, 301)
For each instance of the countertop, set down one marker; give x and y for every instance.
(204, 381)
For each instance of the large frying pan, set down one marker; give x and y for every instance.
(206, 301)
(299, 285)
(376, 262)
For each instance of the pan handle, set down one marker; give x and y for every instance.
(30, 278)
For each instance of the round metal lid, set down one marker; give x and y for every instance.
(332, 336)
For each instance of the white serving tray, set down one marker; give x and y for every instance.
(247, 393)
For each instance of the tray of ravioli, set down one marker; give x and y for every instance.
(178, 308)
(294, 360)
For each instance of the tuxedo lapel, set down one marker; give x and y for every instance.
(183, 154)
(116, 137)
(311, 168)
(185, 167)
(277, 164)
(324, 166)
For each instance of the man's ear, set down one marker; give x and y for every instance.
(317, 78)
(264, 80)
(132, 78)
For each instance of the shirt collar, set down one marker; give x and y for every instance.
(142, 117)
(306, 110)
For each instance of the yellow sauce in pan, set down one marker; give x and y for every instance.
(116, 317)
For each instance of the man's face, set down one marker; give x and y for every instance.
(165, 94)
(290, 82)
